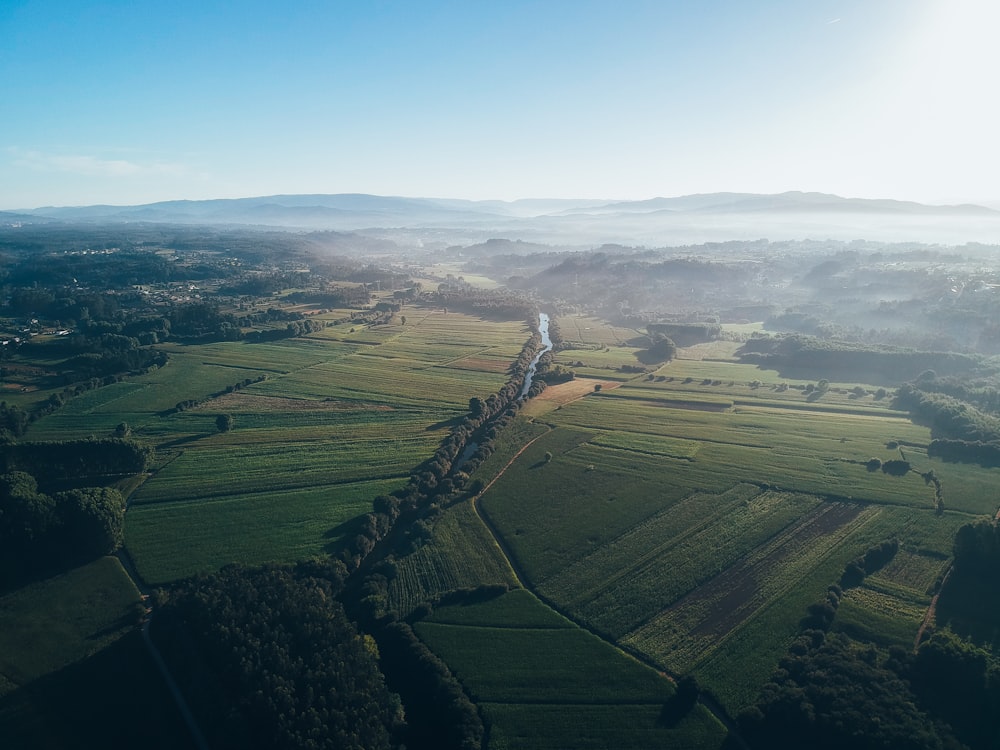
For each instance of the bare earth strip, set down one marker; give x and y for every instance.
(258, 403)
(693, 627)
(555, 396)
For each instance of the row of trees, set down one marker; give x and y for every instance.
(76, 459)
(438, 476)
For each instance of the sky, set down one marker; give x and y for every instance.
(129, 102)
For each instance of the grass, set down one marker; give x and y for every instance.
(114, 698)
(657, 520)
(49, 624)
(461, 554)
(869, 615)
(177, 539)
(542, 682)
(337, 422)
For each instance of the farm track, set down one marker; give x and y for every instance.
(932, 608)
(713, 706)
(182, 707)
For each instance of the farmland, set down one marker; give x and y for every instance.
(543, 683)
(327, 423)
(694, 513)
(675, 521)
(73, 668)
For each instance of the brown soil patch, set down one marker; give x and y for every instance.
(251, 402)
(734, 592)
(555, 396)
(571, 390)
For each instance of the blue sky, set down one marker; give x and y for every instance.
(132, 102)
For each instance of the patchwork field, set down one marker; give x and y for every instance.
(541, 682)
(325, 424)
(694, 513)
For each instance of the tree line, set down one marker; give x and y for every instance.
(269, 659)
(41, 533)
(831, 691)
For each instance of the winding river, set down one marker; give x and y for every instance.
(543, 329)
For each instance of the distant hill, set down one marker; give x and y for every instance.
(794, 201)
(656, 221)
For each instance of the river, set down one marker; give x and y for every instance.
(543, 329)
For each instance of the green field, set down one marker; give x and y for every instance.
(696, 516)
(690, 515)
(49, 624)
(541, 682)
(339, 418)
(74, 671)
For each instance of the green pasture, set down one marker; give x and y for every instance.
(585, 330)
(171, 540)
(461, 554)
(228, 464)
(47, 625)
(605, 361)
(518, 608)
(332, 426)
(636, 523)
(967, 488)
(542, 682)
(817, 452)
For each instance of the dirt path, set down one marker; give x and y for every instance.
(196, 734)
(706, 700)
(931, 611)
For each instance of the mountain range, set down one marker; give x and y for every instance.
(701, 217)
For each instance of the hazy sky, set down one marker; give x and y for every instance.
(135, 101)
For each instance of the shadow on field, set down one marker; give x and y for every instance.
(444, 423)
(184, 440)
(115, 698)
(346, 530)
(970, 607)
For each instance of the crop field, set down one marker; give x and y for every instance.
(871, 615)
(334, 422)
(587, 331)
(686, 631)
(172, 540)
(49, 624)
(461, 554)
(541, 682)
(694, 518)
